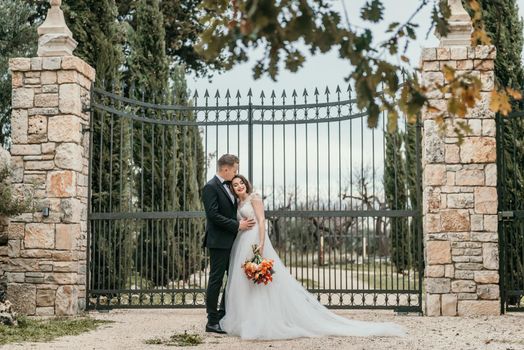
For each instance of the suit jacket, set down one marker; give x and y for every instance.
(221, 214)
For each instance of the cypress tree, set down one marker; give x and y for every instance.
(505, 27)
(100, 43)
(18, 38)
(169, 156)
(396, 199)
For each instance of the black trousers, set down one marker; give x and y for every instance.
(219, 265)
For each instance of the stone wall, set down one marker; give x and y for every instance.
(460, 194)
(46, 271)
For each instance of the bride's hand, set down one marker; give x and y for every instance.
(260, 248)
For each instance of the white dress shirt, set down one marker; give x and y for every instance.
(227, 189)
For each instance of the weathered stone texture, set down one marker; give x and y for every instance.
(46, 269)
(459, 192)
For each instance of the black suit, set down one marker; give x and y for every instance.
(221, 230)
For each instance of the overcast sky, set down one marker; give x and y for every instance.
(321, 70)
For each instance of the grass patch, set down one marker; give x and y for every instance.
(32, 330)
(185, 339)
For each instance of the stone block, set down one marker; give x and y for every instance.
(486, 276)
(449, 304)
(490, 255)
(489, 128)
(443, 53)
(435, 271)
(39, 235)
(449, 271)
(465, 65)
(438, 285)
(48, 148)
(23, 150)
(51, 63)
(491, 223)
(39, 165)
(432, 223)
(486, 200)
(65, 128)
(66, 235)
(20, 64)
(432, 305)
(61, 278)
(23, 298)
(61, 183)
(434, 175)
(485, 236)
(22, 98)
(460, 200)
(67, 76)
(488, 291)
(36, 63)
(438, 252)
(429, 54)
(71, 209)
(66, 301)
(485, 51)
(455, 220)
(464, 275)
(468, 266)
(19, 123)
(46, 100)
(16, 230)
(17, 80)
(452, 154)
(48, 77)
(484, 65)
(477, 222)
(69, 156)
(463, 286)
(69, 99)
(478, 308)
(459, 53)
(478, 150)
(467, 177)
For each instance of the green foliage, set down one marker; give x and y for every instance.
(182, 25)
(396, 199)
(31, 330)
(17, 39)
(100, 36)
(233, 27)
(505, 27)
(186, 339)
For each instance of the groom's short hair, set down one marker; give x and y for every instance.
(227, 159)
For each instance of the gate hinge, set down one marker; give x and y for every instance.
(505, 215)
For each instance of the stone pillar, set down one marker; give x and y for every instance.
(46, 271)
(459, 191)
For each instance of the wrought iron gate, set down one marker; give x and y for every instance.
(510, 157)
(342, 200)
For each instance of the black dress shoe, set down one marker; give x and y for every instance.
(215, 328)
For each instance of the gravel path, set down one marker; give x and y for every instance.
(133, 327)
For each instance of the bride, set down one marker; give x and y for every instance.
(283, 309)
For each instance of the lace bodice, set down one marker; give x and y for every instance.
(245, 208)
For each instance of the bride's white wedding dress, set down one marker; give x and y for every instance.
(283, 309)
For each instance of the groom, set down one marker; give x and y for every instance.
(221, 229)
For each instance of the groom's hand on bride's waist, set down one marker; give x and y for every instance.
(246, 224)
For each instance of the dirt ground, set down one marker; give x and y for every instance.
(132, 327)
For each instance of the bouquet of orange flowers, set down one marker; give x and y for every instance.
(257, 269)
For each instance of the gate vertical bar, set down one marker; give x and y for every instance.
(250, 140)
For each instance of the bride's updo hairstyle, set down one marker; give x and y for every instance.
(249, 188)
